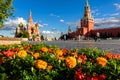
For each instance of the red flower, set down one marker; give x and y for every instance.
(82, 57)
(83, 62)
(95, 78)
(109, 56)
(1, 61)
(87, 78)
(51, 50)
(8, 53)
(102, 77)
(116, 56)
(79, 75)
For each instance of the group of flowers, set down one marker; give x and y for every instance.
(49, 62)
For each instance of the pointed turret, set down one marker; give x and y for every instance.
(69, 29)
(30, 20)
(87, 3)
(87, 13)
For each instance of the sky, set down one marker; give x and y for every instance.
(54, 16)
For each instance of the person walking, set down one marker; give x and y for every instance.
(64, 37)
(97, 37)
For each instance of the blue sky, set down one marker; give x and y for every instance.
(54, 16)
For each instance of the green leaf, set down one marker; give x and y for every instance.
(3, 76)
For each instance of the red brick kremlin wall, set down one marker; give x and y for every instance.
(112, 32)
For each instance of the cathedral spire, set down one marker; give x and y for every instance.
(30, 20)
(30, 13)
(30, 17)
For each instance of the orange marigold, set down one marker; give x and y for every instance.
(71, 62)
(101, 61)
(44, 49)
(22, 54)
(50, 67)
(59, 52)
(61, 58)
(36, 55)
(40, 64)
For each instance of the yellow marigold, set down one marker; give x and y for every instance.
(40, 64)
(36, 55)
(59, 52)
(71, 62)
(44, 49)
(101, 61)
(22, 54)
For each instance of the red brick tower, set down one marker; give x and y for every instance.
(87, 22)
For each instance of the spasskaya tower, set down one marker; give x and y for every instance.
(87, 22)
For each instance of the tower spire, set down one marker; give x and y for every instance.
(30, 20)
(87, 13)
(30, 13)
(87, 3)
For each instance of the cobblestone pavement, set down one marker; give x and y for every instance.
(107, 45)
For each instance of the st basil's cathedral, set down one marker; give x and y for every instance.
(32, 29)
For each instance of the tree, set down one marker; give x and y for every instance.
(22, 35)
(42, 37)
(6, 10)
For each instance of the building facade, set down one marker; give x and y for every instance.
(87, 27)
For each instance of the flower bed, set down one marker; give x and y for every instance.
(49, 62)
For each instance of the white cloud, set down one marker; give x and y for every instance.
(95, 12)
(45, 24)
(61, 20)
(54, 15)
(47, 32)
(117, 6)
(12, 24)
(101, 22)
(107, 22)
(50, 34)
(40, 25)
(53, 29)
(75, 23)
(114, 14)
